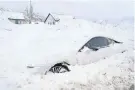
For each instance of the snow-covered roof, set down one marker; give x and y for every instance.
(11, 15)
(16, 16)
(55, 16)
(61, 16)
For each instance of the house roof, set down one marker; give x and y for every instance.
(58, 16)
(48, 16)
(16, 16)
(61, 16)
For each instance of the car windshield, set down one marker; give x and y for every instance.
(98, 42)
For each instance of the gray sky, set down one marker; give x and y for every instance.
(99, 9)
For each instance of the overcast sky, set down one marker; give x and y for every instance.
(99, 9)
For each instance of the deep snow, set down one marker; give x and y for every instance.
(42, 45)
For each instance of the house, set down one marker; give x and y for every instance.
(17, 18)
(51, 19)
(54, 18)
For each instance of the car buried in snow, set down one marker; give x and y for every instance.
(97, 47)
(94, 44)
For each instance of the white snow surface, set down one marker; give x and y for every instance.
(42, 45)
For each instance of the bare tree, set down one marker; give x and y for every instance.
(30, 13)
(31, 16)
(26, 14)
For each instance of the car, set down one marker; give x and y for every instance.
(94, 44)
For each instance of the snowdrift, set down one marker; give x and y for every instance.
(43, 45)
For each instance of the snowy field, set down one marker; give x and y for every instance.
(42, 45)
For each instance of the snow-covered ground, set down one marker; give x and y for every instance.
(43, 45)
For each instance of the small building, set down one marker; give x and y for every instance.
(54, 18)
(17, 18)
(51, 19)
